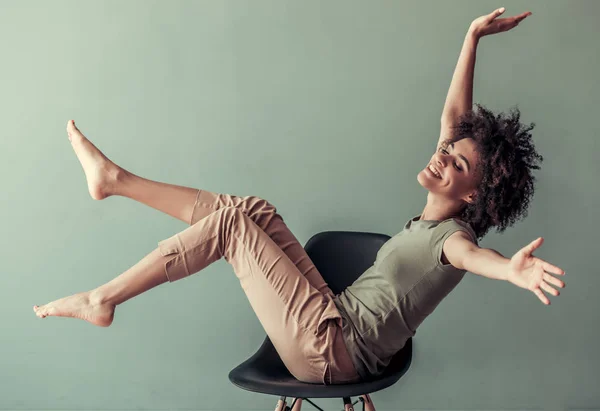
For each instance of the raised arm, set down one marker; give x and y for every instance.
(460, 94)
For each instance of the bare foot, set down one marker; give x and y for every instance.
(101, 173)
(78, 306)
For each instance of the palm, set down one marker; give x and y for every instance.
(532, 273)
(526, 270)
(490, 24)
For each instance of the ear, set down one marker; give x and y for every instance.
(470, 198)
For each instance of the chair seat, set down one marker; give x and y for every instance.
(264, 372)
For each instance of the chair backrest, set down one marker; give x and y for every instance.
(342, 256)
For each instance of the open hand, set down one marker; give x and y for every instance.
(489, 24)
(532, 273)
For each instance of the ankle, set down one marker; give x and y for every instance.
(120, 180)
(98, 297)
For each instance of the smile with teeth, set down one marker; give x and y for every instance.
(435, 173)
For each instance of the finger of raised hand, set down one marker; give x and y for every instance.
(522, 16)
(495, 14)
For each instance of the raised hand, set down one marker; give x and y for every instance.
(532, 273)
(490, 24)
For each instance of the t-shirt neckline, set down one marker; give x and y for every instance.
(416, 219)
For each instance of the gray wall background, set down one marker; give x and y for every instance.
(328, 109)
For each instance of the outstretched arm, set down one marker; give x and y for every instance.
(522, 269)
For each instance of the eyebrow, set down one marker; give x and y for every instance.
(463, 157)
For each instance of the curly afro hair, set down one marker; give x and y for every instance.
(507, 157)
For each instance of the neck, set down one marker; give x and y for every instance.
(439, 211)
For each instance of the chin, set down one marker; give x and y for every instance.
(422, 179)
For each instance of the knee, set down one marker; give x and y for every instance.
(260, 205)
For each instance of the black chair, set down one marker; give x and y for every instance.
(341, 257)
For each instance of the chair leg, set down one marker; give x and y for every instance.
(367, 403)
(281, 404)
(297, 404)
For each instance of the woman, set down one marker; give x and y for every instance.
(477, 179)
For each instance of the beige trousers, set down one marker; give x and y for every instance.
(292, 301)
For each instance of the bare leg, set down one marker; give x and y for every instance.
(176, 201)
(105, 178)
(97, 306)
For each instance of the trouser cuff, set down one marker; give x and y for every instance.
(176, 268)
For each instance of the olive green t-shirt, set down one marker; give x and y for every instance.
(382, 309)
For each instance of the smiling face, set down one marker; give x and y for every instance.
(457, 176)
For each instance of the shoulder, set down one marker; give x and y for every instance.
(456, 246)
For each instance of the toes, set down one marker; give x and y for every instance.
(71, 128)
(39, 311)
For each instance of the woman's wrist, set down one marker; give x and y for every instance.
(473, 34)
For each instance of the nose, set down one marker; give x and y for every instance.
(441, 160)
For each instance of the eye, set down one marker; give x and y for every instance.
(455, 164)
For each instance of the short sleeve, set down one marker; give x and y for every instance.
(441, 233)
